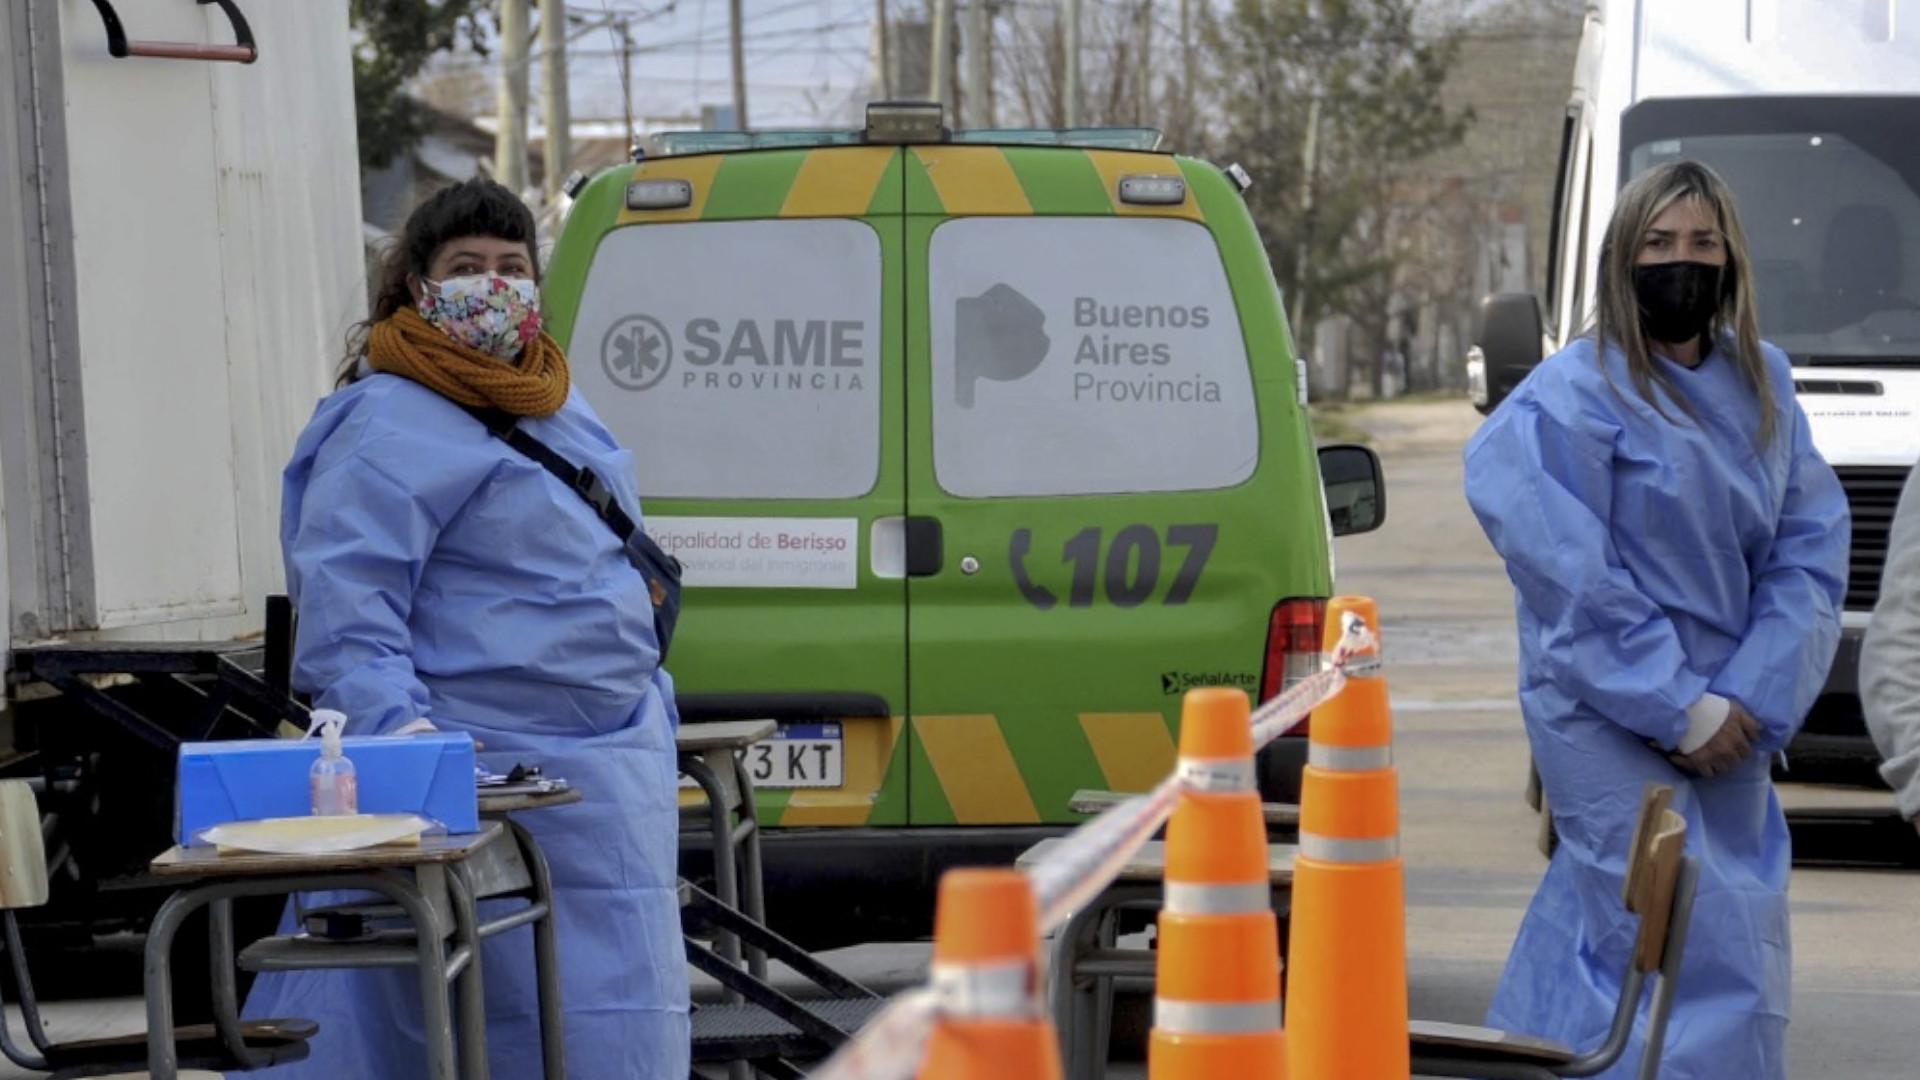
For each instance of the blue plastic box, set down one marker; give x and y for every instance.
(250, 779)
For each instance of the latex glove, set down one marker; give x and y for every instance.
(1729, 746)
(424, 726)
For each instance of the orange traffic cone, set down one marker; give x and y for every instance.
(1216, 1007)
(986, 969)
(1347, 974)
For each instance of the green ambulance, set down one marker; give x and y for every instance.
(980, 449)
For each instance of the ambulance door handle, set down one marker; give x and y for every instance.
(907, 547)
(926, 547)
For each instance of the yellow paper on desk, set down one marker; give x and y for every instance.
(318, 835)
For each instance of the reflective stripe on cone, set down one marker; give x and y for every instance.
(986, 978)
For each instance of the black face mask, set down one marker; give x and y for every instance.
(1677, 299)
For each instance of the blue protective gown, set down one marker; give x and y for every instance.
(440, 574)
(1657, 560)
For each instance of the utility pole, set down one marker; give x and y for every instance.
(739, 68)
(626, 83)
(979, 64)
(510, 143)
(1143, 90)
(940, 54)
(886, 50)
(553, 49)
(1072, 92)
(1311, 165)
(1186, 69)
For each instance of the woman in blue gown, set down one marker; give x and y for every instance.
(1679, 553)
(444, 580)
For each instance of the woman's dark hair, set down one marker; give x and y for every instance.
(477, 207)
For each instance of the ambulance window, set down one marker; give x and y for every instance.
(1086, 356)
(1828, 190)
(737, 360)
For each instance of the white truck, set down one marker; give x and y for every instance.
(1810, 109)
(180, 257)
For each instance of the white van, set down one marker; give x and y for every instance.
(1811, 111)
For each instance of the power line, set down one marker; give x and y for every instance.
(625, 42)
(666, 46)
(763, 35)
(663, 80)
(701, 28)
(782, 9)
(636, 15)
(768, 49)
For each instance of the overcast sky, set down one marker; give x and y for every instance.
(806, 59)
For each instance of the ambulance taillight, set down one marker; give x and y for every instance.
(1293, 644)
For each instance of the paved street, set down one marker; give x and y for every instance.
(1469, 836)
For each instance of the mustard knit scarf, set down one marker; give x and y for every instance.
(407, 345)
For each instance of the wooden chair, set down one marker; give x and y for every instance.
(23, 884)
(1660, 885)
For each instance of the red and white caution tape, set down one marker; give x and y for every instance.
(1089, 858)
(1084, 863)
(1356, 654)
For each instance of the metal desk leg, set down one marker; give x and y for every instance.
(472, 991)
(1092, 1007)
(162, 1057)
(162, 1061)
(1073, 940)
(753, 898)
(432, 961)
(226, 990)
(546, 954)
(726, 873)
(1099, 997)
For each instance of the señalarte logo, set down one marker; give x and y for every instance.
(1179, 682)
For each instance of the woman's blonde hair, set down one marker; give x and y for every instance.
(1734, 324)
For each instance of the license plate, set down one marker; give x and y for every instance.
(797, 756)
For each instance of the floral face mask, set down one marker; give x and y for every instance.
(496, 315)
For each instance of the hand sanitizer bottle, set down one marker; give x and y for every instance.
(335, 788)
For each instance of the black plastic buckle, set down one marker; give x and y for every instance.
(594, 492)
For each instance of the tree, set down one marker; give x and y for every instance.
(1354, 85)
(1116, 89)
(394, 40)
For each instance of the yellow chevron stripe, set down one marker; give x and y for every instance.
(837, 183)
(1115, 164)
(976, 770)
(868, 747)
(698, 171)
(973, 180)
(1135, 750)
